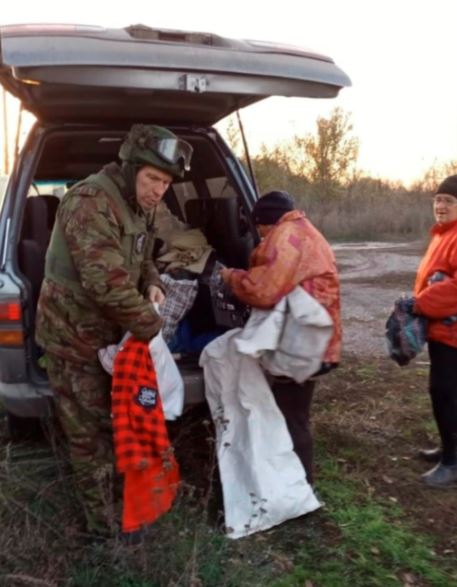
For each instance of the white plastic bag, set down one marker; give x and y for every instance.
(169, 380)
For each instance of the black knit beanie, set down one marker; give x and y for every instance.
(271, 206)
(448, 186)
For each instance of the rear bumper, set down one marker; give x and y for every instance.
(31, 401)
(26, 400)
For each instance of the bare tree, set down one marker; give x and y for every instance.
(232, 135)
(329, 157)
(434, 176)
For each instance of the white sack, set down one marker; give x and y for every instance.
(263, 480)
(291, 339)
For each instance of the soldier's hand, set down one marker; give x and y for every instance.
(156, 295)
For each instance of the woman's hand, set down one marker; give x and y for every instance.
(225, 274)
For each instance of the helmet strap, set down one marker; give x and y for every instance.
(129, 171)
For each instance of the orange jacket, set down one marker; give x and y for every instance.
(439, 300)
(293, 253)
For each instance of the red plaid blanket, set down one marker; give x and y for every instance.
(141, 445)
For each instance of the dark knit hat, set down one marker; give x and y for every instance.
(271, 206)
(448, 186)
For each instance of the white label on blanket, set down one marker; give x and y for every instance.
(147, 398)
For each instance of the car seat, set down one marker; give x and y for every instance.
(39, 216)
(220, 221)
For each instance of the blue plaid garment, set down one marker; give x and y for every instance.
(181, 294)
(405, 331)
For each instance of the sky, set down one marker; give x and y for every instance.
(399, 54)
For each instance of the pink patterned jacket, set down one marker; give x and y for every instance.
(293, 253)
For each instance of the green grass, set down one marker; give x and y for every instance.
(377, 546)
(356, 541)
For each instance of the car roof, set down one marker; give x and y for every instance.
(80, 73)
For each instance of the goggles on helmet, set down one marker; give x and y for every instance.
(171, 150)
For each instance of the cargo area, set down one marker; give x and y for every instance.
(202, 222)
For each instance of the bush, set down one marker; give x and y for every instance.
(365, 209)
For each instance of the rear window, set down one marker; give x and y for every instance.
(56, 188)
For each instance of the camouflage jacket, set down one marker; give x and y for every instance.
(75, 319)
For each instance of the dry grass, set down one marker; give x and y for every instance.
(378, 527)
(374, 425)
(363, 215)
(366, 209)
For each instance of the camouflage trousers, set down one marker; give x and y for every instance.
(83, 411)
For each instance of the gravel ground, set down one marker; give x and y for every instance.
(372, 276)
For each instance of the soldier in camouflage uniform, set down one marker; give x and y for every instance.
(99, 283)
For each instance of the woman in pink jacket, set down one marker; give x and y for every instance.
(435, 291)
(292, 252)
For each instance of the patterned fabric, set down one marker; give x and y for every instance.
(180, 296)
(189, 250)
(437, 300)
(293, 253)
(74, 324)
(140, 433)
(148, 494)
(142, 448)
(405, 331)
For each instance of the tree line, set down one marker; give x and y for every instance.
(320, 170)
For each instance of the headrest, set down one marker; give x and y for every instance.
(35, 225)
(222, 213)
(52, 203)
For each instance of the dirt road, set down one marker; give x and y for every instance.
(373, 275)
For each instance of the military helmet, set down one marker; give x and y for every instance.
(156, 146)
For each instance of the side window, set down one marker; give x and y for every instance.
(3, 184)
(220, 187)
(184, 191)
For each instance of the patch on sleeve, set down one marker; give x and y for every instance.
(87, 190)
(146, 398)
(140, 242)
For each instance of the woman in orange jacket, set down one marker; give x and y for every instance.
(292, 252)
(436, 298)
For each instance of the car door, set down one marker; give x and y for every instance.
(74, 77)
(82, 73)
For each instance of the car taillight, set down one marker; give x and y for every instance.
(11, 337)
(10, 311)
(11, 333)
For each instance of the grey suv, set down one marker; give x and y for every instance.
(86, 86)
